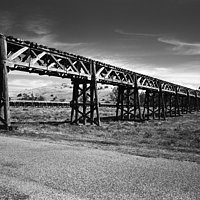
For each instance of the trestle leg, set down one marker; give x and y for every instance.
(4, 97)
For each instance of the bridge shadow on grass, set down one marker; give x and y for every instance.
(114, 118)
(54, 123)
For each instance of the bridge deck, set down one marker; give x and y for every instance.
(34, 58)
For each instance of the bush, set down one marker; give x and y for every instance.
(41, 98)
(114, 94)
(62, 100)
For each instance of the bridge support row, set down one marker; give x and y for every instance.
(155, 104)
(160, 106)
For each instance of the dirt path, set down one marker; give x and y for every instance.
(31, 169)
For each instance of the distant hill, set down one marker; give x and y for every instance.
(58, 93)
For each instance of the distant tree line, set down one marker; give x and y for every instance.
(28, 97)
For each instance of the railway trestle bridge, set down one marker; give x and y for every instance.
(162, 99)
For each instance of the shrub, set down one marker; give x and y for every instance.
(41, 98)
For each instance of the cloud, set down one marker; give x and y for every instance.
(38, 26)
(10, 24)
(66, 44)
(36, 29)
(188, 77)
(182, 48)
(6, 22)
(122, 32)
(51, 40)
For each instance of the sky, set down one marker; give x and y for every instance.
(160, 38)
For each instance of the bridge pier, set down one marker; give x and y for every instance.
(4, 97)
(128, 104)
(154, 105)
(85, 104)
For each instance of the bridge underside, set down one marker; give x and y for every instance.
(139, 97)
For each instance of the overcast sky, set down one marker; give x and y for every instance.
(160, 38)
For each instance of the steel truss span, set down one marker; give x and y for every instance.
(162, 98)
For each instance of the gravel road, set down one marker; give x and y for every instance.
(33, 169)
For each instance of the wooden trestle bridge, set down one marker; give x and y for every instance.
(162, 98)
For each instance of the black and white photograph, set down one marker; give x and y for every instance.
(100, 100)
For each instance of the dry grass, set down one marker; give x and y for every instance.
(175, 138)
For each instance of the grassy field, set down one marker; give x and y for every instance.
(175, 138)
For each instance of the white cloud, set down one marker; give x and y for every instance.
(39, 27)
(5, 22)
(182, 48)
(190, 80)
(162, 69)
(67, 45)
(186, 77)
(151, 70)
(122, 32)
(50, 41)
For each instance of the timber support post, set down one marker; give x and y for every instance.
(120, 103)
(188, 102)
(136, 100)
(177, 106)
(146, 105)
(96, 99)
(161, 104)
(153, 105)
(196, 102)
(4, 97)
